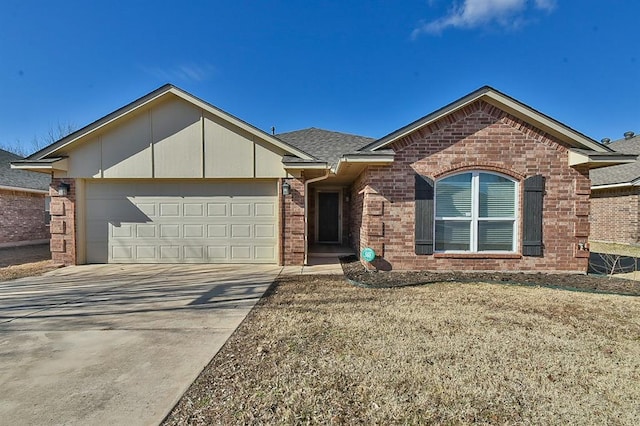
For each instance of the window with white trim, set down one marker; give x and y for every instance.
(475, 212)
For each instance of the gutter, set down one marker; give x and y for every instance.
(616, 185)
(34, 191)
(306, 212)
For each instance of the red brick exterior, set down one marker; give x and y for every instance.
(615, 215)
(477, 137)
(63, 223)
(22, 217)
(292, 223)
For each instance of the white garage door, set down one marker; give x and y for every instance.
(174, 222)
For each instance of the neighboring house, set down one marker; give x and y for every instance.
(615, 197)
(22, 204)
(485, 183)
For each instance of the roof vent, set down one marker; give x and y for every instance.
(605, 141)
(628, 135)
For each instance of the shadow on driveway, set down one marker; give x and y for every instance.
(113, 344)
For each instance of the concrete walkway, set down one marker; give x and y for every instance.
(318, 265)
(114, 344)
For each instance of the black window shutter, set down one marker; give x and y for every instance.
(532, 216)
(424, 215)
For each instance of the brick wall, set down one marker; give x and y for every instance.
(292, 213)
(478, 136)
(63, 223)
(615, 215)
(22, 217)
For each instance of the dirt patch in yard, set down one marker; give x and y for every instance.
(357, 274)
(25, 261)
(317, 350)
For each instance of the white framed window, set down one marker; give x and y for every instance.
(476, 212)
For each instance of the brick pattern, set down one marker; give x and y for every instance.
(63, 223)
(292, 211)
(479, 136)
(22, 217)
(615, 215)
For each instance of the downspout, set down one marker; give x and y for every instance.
(306, 212)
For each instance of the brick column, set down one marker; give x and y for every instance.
(373, 214)
(293, 223)
(63, 223)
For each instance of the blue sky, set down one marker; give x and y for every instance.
(362, 67)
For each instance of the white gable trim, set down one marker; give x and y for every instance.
(151, 98)
(505, 103)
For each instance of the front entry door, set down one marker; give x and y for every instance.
(328, 217)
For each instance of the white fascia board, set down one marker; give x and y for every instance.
(305, 166)
(612, 185)
(617, 185)
(239, 123)
(99, 124)
(30, 190)
(364, 160)
(509, 105)
(420, 125)
(60, 165)
(541, 121)
(150, 98)
(595, 160)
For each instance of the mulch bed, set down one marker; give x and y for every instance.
(355, 272)
(24, 254)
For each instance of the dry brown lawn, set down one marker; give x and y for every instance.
(318, 350)
(31, 269)
(615, 248)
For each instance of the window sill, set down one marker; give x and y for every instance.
(478, 255)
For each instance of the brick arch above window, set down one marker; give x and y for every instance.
(488, 167)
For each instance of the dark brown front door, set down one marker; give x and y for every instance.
(328, 217)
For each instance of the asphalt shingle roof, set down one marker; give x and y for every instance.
(622, 173)
(325, 145)
(20, 178)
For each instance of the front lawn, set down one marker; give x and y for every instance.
(318, 350)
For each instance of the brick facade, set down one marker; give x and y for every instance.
(63, 223)
(22, 217)
(615, 215)
(292, 223)
(476, 137)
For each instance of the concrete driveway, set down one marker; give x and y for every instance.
(115, 344)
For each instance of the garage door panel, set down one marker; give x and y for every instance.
(121, 252)
(264, 231)
(146, 253)
(145, 231)
(193, 231)
(181, 223)
(264, 252)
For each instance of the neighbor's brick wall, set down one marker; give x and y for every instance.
(478, 136)
(615, 215)
(63, 223)
(22, 217)
(292, 213)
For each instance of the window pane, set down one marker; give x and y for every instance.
(497, 196)
(495, 235)
(453, 235)
(453, 196)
